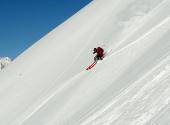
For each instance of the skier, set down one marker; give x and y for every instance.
(100, 53)
(99, 56)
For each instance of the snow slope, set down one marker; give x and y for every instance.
(48, 83)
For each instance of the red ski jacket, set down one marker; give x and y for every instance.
(99, 51)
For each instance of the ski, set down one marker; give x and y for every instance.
(91, 66)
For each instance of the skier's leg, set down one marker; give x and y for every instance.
(98, 57)
(95, 58)
(101, 58)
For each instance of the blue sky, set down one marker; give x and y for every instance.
(23, 22)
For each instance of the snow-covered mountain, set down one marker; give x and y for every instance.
(48, 83)
(4, 61)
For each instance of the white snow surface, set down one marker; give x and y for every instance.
(48, 83)
(4, 62)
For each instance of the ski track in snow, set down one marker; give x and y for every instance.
(140, 102)
(129, 87)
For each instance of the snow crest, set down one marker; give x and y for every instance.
(4, 61)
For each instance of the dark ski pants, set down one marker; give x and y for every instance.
(98, 57)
